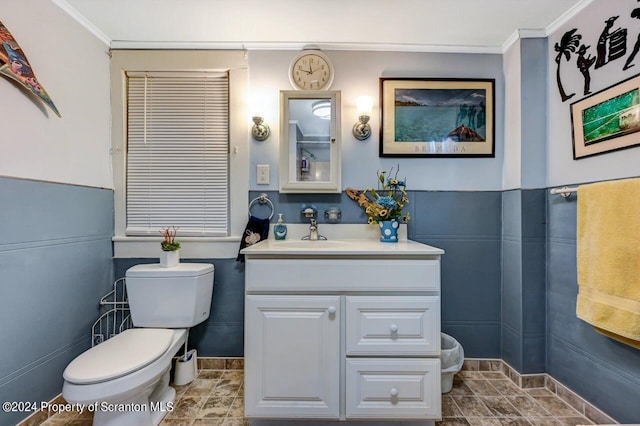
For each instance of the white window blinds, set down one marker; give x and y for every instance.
(178, 153)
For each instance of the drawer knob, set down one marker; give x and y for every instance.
(394, 328)
(394, 392)
(332, 310)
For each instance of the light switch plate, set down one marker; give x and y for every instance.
(262, 171)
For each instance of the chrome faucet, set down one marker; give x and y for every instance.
(313, 232)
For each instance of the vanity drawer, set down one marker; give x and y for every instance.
(393, 325)
(393, 388)
(300, 275)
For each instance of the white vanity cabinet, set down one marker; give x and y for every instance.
(341, 332)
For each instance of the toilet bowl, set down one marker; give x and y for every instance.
(125, 380)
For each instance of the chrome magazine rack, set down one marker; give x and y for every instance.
(116, 318)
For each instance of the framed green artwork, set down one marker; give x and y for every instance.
(608, 120)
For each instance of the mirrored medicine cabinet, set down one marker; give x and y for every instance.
(310, 153)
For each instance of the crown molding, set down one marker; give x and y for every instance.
(381, 47)
(520, 34)
(567, 16)
(550, 29)
(77, 16)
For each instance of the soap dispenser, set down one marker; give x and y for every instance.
(280, 229)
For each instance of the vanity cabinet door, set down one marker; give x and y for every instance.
(292, 356)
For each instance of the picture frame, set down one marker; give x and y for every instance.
(437, 117)
(608, 120)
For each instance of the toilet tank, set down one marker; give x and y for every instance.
(177, 297)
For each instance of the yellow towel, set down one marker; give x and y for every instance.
(609, 258)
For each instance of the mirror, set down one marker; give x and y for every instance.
(310, 154)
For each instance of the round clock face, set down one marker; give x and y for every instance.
(311, 71)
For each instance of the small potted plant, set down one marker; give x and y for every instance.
(170, 255)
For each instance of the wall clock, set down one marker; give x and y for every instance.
(311, 70)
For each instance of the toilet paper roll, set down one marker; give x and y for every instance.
(186, 369)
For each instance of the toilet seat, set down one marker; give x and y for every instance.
(124, 353)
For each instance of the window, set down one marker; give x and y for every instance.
(180, 150)
(177, 153)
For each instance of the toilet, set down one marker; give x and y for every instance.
(125, 380)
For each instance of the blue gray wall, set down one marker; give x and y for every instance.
(467, 225)
(523, 280)
(55, 265)
(602, 370)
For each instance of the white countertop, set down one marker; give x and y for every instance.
(342, 240)
(341, 247)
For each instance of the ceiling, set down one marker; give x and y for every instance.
(401, 25)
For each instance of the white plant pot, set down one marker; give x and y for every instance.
(169, 259)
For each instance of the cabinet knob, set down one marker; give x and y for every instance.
(394, 392)
(332, 310)
(394, 328)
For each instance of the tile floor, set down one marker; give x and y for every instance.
(489, 398)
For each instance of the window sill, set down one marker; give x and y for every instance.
(191, 247)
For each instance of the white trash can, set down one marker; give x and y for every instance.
(186, 368)
(451, 359)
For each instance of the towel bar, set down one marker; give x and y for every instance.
(565, 191)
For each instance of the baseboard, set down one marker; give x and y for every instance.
(215, 363)
(573, 399)
(541, 380)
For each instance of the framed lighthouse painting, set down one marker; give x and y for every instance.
(437, 117)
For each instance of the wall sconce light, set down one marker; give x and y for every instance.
(362, 129)
(260, 130)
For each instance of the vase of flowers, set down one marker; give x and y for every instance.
(170, 254)
(384, 204)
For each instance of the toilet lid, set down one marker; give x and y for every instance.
(122, 354)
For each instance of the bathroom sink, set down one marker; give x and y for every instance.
(310, 244)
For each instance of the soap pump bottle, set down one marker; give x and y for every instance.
(280, 229)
